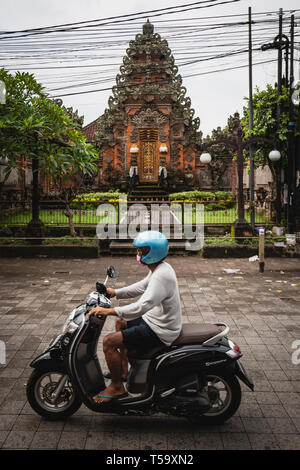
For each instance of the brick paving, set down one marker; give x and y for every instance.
(264, 318)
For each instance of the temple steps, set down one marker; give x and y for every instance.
(148, 192)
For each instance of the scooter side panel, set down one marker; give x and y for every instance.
(84, 364)
(89, 372)
(186, 360)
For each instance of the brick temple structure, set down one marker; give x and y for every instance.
(149, 129)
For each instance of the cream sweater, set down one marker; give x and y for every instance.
(159, 304)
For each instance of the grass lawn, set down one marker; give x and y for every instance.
(217, 217)
(57, 217)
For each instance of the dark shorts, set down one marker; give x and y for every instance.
(138, 335)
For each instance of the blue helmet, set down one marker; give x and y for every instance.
(156, 243)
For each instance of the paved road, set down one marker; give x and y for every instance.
(262, 310)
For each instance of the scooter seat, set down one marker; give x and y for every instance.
(191, 333)
(196, 333)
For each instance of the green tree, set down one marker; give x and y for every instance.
(33, 126)
(265, 122)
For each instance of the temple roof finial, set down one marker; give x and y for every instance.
(148, 28)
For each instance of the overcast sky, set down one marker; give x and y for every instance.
(214, 96)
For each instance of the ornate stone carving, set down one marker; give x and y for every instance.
(149, 118)
(217, 168)
(148, 28)
(72, 114)
(108, 159)
(189, 157)
(120, 131)
(162, 135)
(134, 136)
(175, 156)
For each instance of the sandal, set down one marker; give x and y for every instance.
(115, 397)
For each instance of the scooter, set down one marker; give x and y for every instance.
(195, 378)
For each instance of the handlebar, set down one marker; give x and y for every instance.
(101, 287)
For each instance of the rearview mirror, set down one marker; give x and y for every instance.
(111, 271)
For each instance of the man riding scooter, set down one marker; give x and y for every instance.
(153, 320)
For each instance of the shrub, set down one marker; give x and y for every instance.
(92, 200)
(200, 196)
(220, 199)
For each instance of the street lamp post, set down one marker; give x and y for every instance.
(3, 160)
(291, 170)
(283, 42)
(296, 102)
(237, 144)
(280, 42)
(241, 209)
(274, 157)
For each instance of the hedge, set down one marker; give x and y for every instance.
(201, 196)
(220, 200)
(92, 200)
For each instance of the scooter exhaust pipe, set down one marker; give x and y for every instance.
(182, 406)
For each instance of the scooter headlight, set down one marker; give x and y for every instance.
(69, 327)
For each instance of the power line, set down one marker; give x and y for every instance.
(229, 36)
(54, 29)
(162, 83)
(229, 68)
(108, 18)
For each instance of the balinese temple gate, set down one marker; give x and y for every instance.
(148, 133)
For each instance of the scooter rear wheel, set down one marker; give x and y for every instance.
(224, 393)
(40, 389)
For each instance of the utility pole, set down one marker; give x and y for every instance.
(291, 147)
(297, 159)
(251, 148)
(279, 90)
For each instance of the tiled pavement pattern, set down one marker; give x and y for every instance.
(264, 317)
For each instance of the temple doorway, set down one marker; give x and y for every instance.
(148, 163)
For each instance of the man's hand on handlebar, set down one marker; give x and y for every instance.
(102, 311)
(111, 291)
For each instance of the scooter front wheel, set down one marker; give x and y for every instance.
(51, 393)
